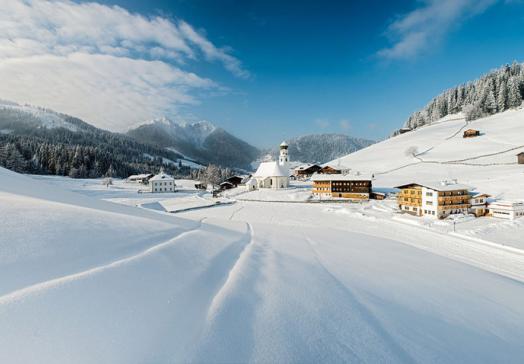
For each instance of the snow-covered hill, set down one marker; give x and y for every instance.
(436, 152)
(13, 114)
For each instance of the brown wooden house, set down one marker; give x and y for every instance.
(330, 170)
(520, 158)
(306, 170)
(344, 186)
(471, 133)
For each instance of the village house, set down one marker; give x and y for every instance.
(306, 170)
(332, 169)
(437, 200)
(479, 203)
(506, 209)
(345, 186)
(272, 174)
(162, 183)
(140, 178)
(471, 133)
(520, 158)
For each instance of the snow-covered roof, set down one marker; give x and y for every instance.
(251, 182)
(139, 176)
(271, 169)
(506, 205)
(283, 144)
(342, 177)
(162, 177)
(441, 186)
(305, 166)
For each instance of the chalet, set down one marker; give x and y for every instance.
(506, 209)
(226, 186)
(520, 158)
(234, 180)
(471, 133)
(345, 186)
(330, 170)
(478, 203)
(437, 200)
(378, 195)
(162, 183)
(140, 178)
(274, 174)
(306, 170)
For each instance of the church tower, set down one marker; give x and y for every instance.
(284, 154)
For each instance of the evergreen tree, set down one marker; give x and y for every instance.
(514, 96)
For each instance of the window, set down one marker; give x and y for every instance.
(429, 194)
(429, 203)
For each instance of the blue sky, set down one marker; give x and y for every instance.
(264, 70)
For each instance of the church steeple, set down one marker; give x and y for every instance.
(284, 154)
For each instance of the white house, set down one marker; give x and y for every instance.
(162, 183)
(506, 209)
(274, 174)
(251, 184)
(479, 203)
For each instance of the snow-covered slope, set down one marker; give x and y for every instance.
(439, 151)
(40, 117)
(88, 281)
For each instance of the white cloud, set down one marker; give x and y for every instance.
(102, 63)
(416, 31)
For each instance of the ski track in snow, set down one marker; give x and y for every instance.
(37, 288)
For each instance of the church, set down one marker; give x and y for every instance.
(272, 174)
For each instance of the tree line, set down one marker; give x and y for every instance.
(497, 91)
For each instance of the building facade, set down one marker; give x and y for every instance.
(340, 186)
(479, 204)
(520, 158)
(506, 209)
(438, 200)
(162, 183)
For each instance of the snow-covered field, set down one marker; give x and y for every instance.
(87, 280)
(487, 162)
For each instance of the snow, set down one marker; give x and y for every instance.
(47, 119)
(271, 169)
(92, 273)
(487, 162)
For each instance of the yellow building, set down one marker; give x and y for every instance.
(437, 200)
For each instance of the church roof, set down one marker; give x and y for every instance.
(271, 169)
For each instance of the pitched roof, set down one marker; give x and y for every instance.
(306, 166)
(162, 177)
(271, 169)
(341, 177)
(441, 186)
